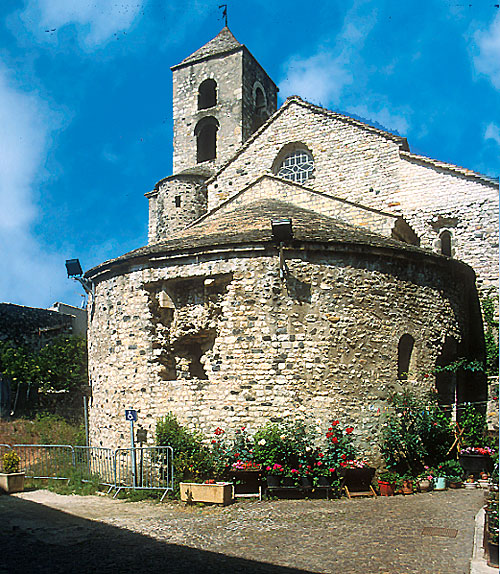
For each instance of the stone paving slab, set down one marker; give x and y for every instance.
(44, 532)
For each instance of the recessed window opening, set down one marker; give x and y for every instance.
(260, 102)
(207, 94)
(445, 243)
(177, 201)
(405, 348)
(206, 139)
(297, 166)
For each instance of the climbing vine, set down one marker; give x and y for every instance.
(490, 334)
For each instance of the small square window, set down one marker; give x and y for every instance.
(177, 201)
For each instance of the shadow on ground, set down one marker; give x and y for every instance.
(38, 539)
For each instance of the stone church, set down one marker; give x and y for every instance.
(300, 263)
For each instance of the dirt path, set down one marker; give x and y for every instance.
(45, 532)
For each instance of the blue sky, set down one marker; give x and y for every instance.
(86, 120)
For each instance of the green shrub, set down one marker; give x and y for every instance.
(287, 444)
(473, 423)
(192, 459)
(416, 433)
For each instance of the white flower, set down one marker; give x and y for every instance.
(308, 449)
(262, 441)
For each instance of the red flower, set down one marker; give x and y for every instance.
(320, 454)
(343, 456)
(213, 441)
(335, 423)
(218, 431)
(335, 440)
(349, 430)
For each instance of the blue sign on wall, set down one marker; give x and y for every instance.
(131, 415)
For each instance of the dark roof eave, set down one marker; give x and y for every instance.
(125, 263)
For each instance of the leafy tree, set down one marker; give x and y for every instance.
(59, 365)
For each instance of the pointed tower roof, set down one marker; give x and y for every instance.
(223, 43)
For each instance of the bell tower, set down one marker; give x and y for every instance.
(221, 96)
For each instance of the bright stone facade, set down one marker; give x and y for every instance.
(202, 322)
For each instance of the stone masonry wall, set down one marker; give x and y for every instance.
(226, 343)
(271, 187)
(346, 158)
(433, 200)
(178, 201)
(254, 75)
(367, 168)
(227, 72)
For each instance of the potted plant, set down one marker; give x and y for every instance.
(474, 460)
(11, 480)
(425, 480)
(453, 473)
(387, 481)
(407, 484)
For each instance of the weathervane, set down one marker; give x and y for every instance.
(224, 12)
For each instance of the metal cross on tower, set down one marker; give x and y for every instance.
(224, 12)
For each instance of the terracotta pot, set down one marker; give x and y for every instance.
(455, 484)
(407, 487)
(386, 488)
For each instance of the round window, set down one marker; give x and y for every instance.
(297, 166)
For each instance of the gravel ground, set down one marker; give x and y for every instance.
(46, 532)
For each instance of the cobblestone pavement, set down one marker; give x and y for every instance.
(44, 532)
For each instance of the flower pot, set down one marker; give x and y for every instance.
(288, 482)
(424, 484)
(475, 464)
(273, 481)
(440, 483)
(470, 485)
(218, 493)
(493, 554)
(386, 488)
(306, 482)
(407, 487)
(12, 482)
(455, 484)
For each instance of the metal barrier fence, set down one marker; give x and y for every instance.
(46, 460)
(144, 468)
(139, 468)
(94, 461)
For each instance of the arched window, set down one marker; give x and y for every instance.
(445, 238)
(295, 163)
(207, 94)
(206, 139)
(260, 102)
(405, 348)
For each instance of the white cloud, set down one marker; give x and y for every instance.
(27, 271)
(492, 132)
(96, 21)
(321, 78)
(487, 58)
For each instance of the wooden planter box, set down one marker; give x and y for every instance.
(12, 482)
(220, 493)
